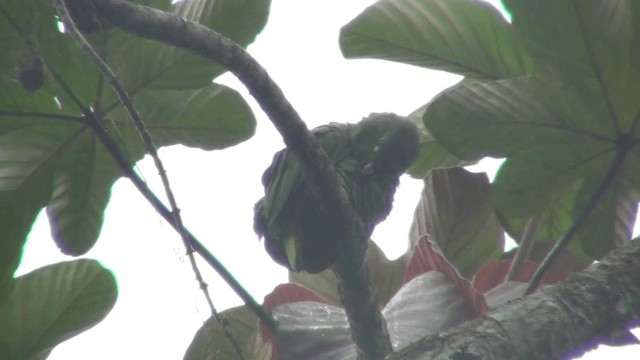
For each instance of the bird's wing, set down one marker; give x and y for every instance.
(281, 179)
(284, 176)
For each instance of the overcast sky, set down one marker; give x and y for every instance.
(160, 307)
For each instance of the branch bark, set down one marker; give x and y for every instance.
(368, 328)
(550, 324)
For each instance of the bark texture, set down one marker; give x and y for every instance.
(553, 323)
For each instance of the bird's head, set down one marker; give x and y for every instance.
(392, 143)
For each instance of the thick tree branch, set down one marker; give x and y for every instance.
(173, 30)
(551, 323)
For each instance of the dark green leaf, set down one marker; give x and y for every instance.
(591, 45)
(240, 20)
(43, 133)
(508, 116)
(470, 38)
(53, 304)
(213, 117)
(174, 68)
(547, 134)
(25, 182)
(555, 223)
(81, 183)
(556, 137)
(610, 223)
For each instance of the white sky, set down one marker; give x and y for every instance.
(160, 306)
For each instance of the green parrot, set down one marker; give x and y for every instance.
(369, 158)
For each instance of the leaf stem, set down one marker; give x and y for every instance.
(526, 243)
(608, 178)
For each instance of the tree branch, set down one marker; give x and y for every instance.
(551, 323)
(173, 30)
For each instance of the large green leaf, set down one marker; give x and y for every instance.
(53, 304)
(212, 341)
(432, 153)
(470, 38)
(555, 136)
(44, 129)
(454, 209)
(240, 20)
(81, 190)
(25, 186)
(560, 132)
(591, 45)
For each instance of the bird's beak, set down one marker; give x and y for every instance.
(367, 169)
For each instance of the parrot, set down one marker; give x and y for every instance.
(369, 158)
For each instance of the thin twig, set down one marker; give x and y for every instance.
(526, 244)
(145, 136)
(151, 149)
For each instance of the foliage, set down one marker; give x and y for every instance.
(559, 109)
(52, 157)
(52, 304)
(555, 100)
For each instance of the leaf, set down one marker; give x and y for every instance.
(432, 154)
(82, 183)
(210, 118)
(427, 304)
(591, 45)
(241, 21)
(313, 331)
(25, 186)
(282, 297)
(454, 209)
(610, 223)
(323, 284)
(385, 275)
(506, 117)
(470, 38)
(76, 171)
(53, 304)
(428, 257)
(553, 142)
(211, 342)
